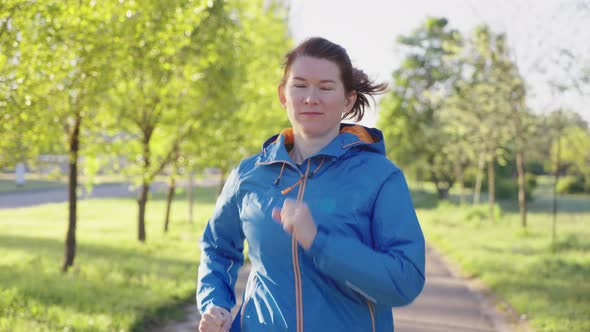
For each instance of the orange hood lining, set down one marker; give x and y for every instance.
(358, 131)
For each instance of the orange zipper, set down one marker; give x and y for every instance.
(295, 257)
(246, 300)
(372, 315)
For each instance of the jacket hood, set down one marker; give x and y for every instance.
(351, 136)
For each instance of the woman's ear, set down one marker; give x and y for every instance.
(281, 92)
(350, 100)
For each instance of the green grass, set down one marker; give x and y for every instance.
(549, 283)
(117, 283)
(10, 185)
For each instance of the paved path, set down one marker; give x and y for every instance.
(32, 197)
(447, 304)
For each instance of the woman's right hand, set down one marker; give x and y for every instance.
(215, 319)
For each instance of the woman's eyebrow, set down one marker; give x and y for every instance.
(321, 81)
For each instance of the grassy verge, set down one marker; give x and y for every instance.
(10, 185)
(117, 284)
(547, 282)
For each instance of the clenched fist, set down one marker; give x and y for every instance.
(215, 319)
(297, 220)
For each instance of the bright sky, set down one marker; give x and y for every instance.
(536, 30)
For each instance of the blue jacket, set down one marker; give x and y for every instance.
(367, 257)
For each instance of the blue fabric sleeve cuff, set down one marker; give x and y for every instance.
(318, 244)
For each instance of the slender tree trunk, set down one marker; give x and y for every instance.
(441, 190)
(521, 186)
(191, 178)
(479, 178)
(142, 203)
(145, 188)
(70, 245)
(461, 190)
(169, 198)
(556, 179)
(491, 188)
(221, 181)
(459, 170)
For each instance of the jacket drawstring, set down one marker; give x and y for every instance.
(278, 180)
(318, 168)
(288, 189)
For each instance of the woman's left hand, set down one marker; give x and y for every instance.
(297, 220)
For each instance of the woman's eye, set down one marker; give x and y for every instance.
(326, 88)
(299, 86)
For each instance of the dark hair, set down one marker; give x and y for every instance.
(352, 78)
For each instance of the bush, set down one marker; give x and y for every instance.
(570, 185)
(506, 187)
(480, 212)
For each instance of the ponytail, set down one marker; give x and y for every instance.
(364, 88)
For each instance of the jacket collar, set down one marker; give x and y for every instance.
(275, 149)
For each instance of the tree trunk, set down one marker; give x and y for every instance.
(491, 188)
(443, 192)
(222, 181)
(169, 198)
(556, 179)
(460, 171)
(142, 203)
(70, 245)
(478, 178)
(191, 178)
(521, 186)
(145, 187)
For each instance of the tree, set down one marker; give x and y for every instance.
(410, 114)
(251, 113)
(557, 123)
(575, 152)
(61, 58)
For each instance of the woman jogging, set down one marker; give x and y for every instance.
(332, 233)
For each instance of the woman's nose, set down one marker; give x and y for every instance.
(311, 97)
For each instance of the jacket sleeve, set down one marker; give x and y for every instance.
(222, 248)
(392, 272)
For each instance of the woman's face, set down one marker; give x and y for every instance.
(314, 96)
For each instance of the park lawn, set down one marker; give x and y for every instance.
(551, 287)
(10, 185)
(117, 283)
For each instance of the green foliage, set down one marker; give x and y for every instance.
(572, 185)
(576, 152)
(410, 114)
(507, 188)
(116, 282)
(506, 183)
(258, 43)
(480, 212)
(450, 102)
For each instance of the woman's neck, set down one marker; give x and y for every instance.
(305, 146)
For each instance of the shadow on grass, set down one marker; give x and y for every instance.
(550, 288)
(424, 199)
(158, 317)
(541, 203)
(549, 281)
(109, 278)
